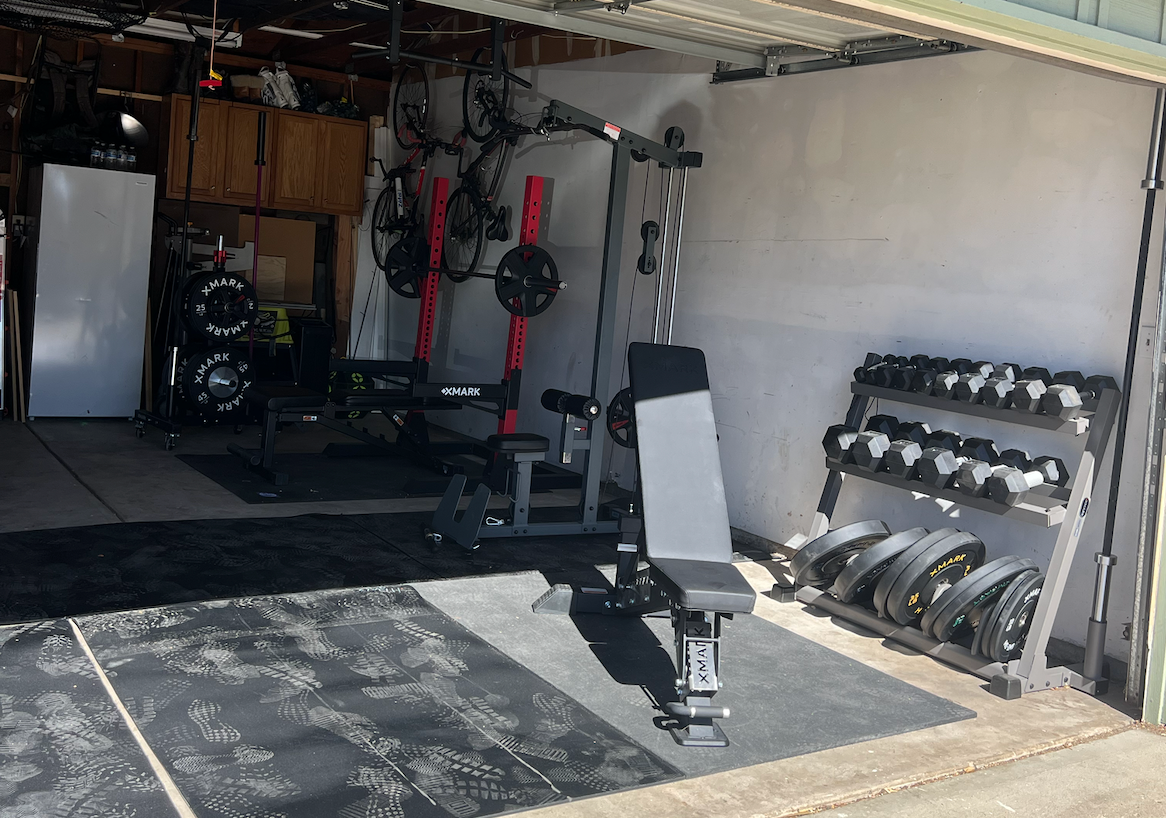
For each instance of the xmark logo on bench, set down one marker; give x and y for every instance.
(462, 391)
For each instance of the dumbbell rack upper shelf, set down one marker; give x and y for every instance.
(1047, 506)
(1075, 426)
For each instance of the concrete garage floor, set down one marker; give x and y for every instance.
(1055, 753)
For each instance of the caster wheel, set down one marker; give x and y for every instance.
(171, 442)
(139, 432)
(432, 537)
(477, 544)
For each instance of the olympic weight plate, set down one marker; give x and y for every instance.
(621, 419)
(527, 280)
(406, 267)
(215, 380)
(960, 609)
(1012, 618)
(885, 582)
(856, 582)
(937, 567)
(819, 561)
(220, 306)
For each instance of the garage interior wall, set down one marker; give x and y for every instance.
(977, 205)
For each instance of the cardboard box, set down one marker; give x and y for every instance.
(293, 240)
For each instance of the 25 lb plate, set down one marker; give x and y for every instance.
(960, 609)
(1012, 617)
(215, 380)
(220, 306)
(819, 561)
(939, 566)
(856, 582)
(887, 581)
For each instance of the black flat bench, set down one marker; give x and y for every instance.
(280, 404)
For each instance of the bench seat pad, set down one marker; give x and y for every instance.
(696, 585)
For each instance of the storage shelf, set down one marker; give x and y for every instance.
(1076, 426)
(1039, 509)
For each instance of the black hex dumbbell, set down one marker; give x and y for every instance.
(937, 466)
(944, 439)
(838, 440)
(979, 448)
(913, 430)
(960, 365)
(902, 458)
(972, 476)
(923, 380)
(902, 377)
(869, 450)
(1026, 396)
(1071, 393)
(938, 462)
(944, 385)
(1010, 486)
(997, 392)
(967, 388)
(887, 424)
(939, 364)
(1011, 372)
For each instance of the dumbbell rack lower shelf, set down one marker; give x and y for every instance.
(1045, 506)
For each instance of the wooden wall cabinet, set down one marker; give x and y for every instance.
(314, 163)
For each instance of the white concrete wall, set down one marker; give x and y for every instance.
(976, 205)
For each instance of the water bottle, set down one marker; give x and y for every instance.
(131, 160)
(95, 155)
(109, 158)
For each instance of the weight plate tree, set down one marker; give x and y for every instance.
(1011, 617)
(527, 280)
(220, 306)
(405, 266)
(621, 421)
(961, 607)
(856, 582)
(819, 561)
(939, 565)
(214, 380)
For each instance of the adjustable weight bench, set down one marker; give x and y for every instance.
(682, 536)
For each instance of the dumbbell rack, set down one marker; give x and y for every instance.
(1046, 506)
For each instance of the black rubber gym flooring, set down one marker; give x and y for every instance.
(320, 478)
(353, 703)
(451, 699)
(72, 571)
(64, 748)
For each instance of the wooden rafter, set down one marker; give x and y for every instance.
(365, 33)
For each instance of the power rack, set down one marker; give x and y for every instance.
(1046, 506)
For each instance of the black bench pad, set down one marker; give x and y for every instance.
(697, 585)
(285, 398)
(521, 442)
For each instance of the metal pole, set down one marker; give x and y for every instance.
(260, 161)
(617, 194)
(1154, 429)
(663, 261)
(676, 255)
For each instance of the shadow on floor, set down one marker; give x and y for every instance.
(72, 571)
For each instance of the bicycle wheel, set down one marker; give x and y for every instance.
(410, 106)
(483, 99)
(461, 248)
(493, 168)
(383, 218)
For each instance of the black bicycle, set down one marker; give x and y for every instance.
(396, 213)
(485, 101)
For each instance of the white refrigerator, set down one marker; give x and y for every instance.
(91, 257)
